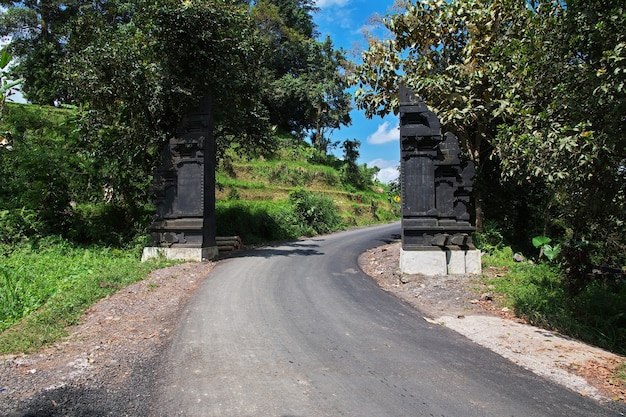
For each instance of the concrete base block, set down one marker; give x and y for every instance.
(184, 254)
(473, 263)
(456, 261)
(440, 262)
(428, 262)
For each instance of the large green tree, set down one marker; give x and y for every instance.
(442, 50)
(135, 69)
(534, 90)
(566, 90)
(38, 32)
(304, 83)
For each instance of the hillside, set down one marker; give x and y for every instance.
(265, 188)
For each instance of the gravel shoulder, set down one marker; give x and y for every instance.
(119, 341)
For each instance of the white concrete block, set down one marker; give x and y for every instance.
(456, 261)
(184, 254)
(473, 263)
(430, 262)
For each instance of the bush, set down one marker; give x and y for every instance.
(106, 223)
(254, 222)
(17, 225)
(314, 212)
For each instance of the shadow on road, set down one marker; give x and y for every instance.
(296, 248)
(76, 402)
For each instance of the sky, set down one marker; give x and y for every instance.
(344, 21)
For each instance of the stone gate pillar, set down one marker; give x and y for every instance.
(184, 224)
(436, 186)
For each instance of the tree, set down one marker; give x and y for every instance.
(135, 70)
(304, 86)
(566, 74)
(441, 49)
(38, 32)
(535, 92)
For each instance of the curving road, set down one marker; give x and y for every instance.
(298, 330)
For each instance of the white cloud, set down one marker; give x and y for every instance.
(388, 170)
(386, 132)
(326, 3)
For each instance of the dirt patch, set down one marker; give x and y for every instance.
(465, 304)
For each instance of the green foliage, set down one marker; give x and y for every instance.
(134, 70)
(17, 225)
(29, 192)
(47, 287)
(255, 222)
(68, 197)
(106, 223)
(490, 240)
(536, 93)
(314, 212)
(547, 250)
(353, 175)
(136, 76)
(6, 84)
(303, 81)
(540, 294)
(566, 126)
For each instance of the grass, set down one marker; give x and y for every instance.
(43, 290)
(538, 293)
(286, 173)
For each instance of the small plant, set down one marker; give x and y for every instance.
(233, 194)
(545, 249)
(490, 240)
(6, 85)
(620, 372)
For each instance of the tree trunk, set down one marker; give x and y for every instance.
(478, 195)
(478, 208)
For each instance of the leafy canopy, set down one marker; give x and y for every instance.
(534, 90)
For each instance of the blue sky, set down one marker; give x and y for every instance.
(345, 21)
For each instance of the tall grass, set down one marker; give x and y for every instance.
(45, 289)
(539, 293)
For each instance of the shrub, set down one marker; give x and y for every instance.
(254, 222)
(314, 212)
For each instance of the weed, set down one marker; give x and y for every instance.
(620, 372)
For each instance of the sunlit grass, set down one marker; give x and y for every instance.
(44, 290)
(538, 293)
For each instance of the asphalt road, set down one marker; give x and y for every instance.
(298, 330)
